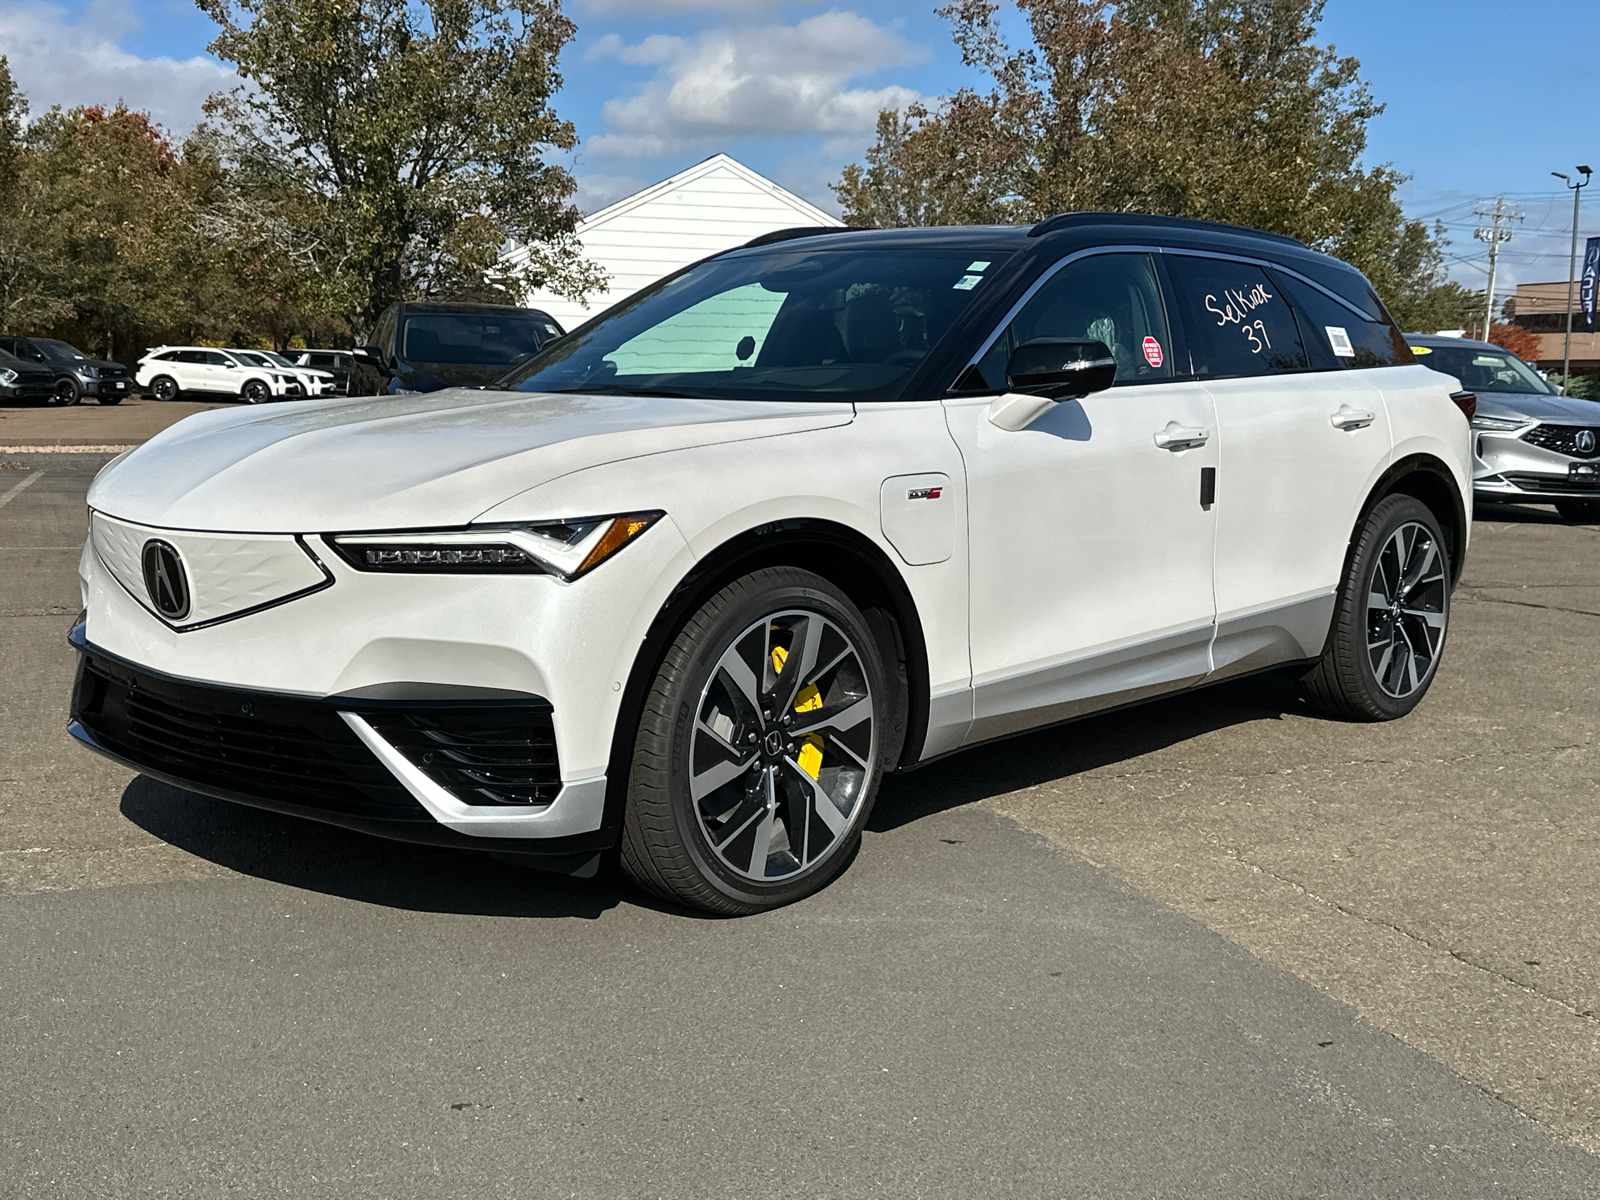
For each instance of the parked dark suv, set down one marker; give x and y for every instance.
(22, 380)
(422, 347)
(76, 374)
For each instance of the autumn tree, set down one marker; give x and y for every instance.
(418, 130)
(1218, 109)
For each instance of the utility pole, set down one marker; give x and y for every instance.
(1572, 271)
(1494, 235)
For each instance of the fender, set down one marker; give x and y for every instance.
(1443, 487)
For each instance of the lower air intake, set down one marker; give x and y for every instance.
(503, 755)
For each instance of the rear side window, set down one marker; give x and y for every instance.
(190, 356)
(1112, 298)
(1239, 320)
(1339, 336)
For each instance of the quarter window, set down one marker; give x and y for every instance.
(1239, 320)
(1112, 298)
(1338, 336)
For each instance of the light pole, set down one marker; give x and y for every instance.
(1572, 271)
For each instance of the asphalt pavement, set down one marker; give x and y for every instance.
(1013, 991)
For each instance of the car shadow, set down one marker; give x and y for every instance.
(1517, 514)
(340, 862)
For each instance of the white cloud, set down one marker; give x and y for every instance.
(597, 191)
(771, 80)
(656, 8)
(55, 62)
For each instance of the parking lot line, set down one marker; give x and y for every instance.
(10, 493)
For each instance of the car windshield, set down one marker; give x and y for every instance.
(789, 323)
(471, 339)
(1482, 370)
(254, 357)
(58, 349)
(273, 356)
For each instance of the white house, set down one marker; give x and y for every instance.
(714, 205)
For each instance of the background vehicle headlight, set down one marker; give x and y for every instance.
(1499, 424)
(89, 372)
(7, 377)
(566, 549)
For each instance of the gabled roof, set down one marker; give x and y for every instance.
(806, 213)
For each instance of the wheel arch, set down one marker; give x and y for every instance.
(846, 558)
(1429, 480)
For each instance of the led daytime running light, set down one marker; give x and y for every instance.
(567, 549)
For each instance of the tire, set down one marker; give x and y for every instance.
(255, 392)
(67, 393)
(1381, 659)
(1579, 512)
(694, 836)
(164, 387)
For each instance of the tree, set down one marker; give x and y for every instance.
(1521, 342)
(419, 132)
(1218, 109)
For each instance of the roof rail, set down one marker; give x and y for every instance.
(1068, 220)
(798, 231)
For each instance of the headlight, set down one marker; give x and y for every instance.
(7, 377)
(1499, 424)
(567, 549)
(89, 372)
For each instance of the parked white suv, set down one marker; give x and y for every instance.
(832, 504)
(312, 382)
(167, 372)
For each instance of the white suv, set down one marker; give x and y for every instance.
(312, 382)
(835, 503)
(167, 372)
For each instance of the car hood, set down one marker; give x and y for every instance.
(438, 458)
(1560, 409)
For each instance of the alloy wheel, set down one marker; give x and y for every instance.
(165, 389)
(1406, 611)
(781, 747)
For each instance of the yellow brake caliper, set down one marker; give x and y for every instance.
(809, 699)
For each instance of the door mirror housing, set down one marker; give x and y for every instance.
(1061, 368)
(370, 355)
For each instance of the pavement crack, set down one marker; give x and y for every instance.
(1582, 612)
(1465, 960)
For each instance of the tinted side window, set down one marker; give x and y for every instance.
(1113, 298)
(191, 356)
(1340, 337)
(1239, 321)
(383, 336)
(216, 358)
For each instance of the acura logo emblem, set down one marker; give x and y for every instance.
(1585, 441)
(165, 581)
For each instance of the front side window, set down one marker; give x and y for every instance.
(1111, 298)
(1239, 320)
(782, 322)
(1485, 370)
(470, 339)
(216, 358)
(24, 349)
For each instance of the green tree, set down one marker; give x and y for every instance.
(1218, 109)
(419, 130)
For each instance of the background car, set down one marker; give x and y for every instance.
(1529, 443)
(335, 362)
(74, 374)
(166, 372)
(313, 383)
(23, 380)
(420, 347)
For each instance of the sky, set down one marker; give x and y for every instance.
(1483, 99)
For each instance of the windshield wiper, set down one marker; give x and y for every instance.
(627, 391)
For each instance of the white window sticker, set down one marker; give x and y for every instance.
(978, 266)
(966, 283)
(1340, 341)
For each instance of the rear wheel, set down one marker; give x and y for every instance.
(759, 749)
(1579, 512)
(1389, 626)
(67, 391)
(164, 387)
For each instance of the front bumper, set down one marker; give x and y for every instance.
(117, 386)
(1509, 468)
(28, 391)
(453, 767)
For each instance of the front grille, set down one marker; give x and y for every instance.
(482, 755)
(1556, 484)
(1563, 439)
(267, 747)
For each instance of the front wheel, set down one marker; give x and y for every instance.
(1390, 621)
(1579, 512)
(255, 392)
(67, 391)
(759, 749)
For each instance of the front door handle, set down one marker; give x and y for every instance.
(1349, 418)
(1178, 437)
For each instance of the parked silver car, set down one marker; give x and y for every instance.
(1530, 444)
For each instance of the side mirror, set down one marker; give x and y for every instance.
(1046, 371)
(369, 354)
(1061, 368)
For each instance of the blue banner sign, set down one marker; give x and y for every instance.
(1591, 279)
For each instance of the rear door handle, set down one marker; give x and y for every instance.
(1348, 418)
(1177, 437)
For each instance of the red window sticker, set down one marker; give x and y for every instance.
(1152, 352)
